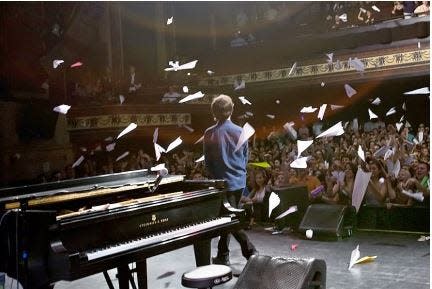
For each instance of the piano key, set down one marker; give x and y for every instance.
(160, 237)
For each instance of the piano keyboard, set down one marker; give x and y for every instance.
(153, 239)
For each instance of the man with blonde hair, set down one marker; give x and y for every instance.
(222, 161)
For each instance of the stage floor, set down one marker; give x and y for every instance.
(402, 262)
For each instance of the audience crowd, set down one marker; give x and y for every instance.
(398, 163)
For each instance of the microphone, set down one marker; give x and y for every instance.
(162, 173)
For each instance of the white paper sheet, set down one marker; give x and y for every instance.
(190, 97)
(322, 111)
(176, 67)
(125, 154)
(78, 161)
(299, 163)
(361, 153)
(63, 109)
(349, 90)
(174, 144)
(372, 114)
(376, 101)
(244, 100)
(127, 130)
(246, 133)
(290, 210)
(423, 90)
(391, 111)
(302, 146)
(361, 182)
(335, 130)
(274, 201)
(308, 109)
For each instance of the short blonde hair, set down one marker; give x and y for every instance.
(222, 107)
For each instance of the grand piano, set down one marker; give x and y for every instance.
(71, 229)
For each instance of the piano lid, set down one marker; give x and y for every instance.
(83, 187)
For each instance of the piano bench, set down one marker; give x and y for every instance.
(207, 276)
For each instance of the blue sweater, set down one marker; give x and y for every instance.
(221, 161)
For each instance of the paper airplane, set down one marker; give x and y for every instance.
(76, 64)
(57, 62)
(188, 128)
(361, 153)
(248, 113)
(355, 258)
(175, 66)
(399, 125)
(185, 89)
(376, 101)
(290, 210)
(174, 144)
(322, 84)
(335, 130)
(158, 151)
(404, 106)
(420, 136)
(170, 20)
(274, 201)
(270, 116)
(376, 8)
(78, 161)
(155, 135)
(357, 64)
(121, 98)
(241, 85)
(299, 163)
(334, 107)
(209, 72)
(125, 154)
(110, 147)
(244, 100)
(291, 131)
(63, 109)
(393, 168)
(381, 151)
(355, 125)
(407, 124)
(391, 111)
(361, 182)
(200, 159)
(322, 111)
(308, 109)
(293, 67)
(424, 90)
(158, 167)
(128, 129)
(190, 97)
(355, 255)
(246, 133)
(343, 17)
(264, 165)
(302, 146)
(349, 90)
(199, 140)
(329, 57)
(371, 114)
(108, 138)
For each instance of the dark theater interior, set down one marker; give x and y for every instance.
(216, 144)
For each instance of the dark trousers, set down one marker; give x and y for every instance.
(247, 247)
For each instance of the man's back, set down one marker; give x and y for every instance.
(222, 162)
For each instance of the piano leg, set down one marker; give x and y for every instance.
(108, 280)
(202, 250)
(123, 274)
(141, 269)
